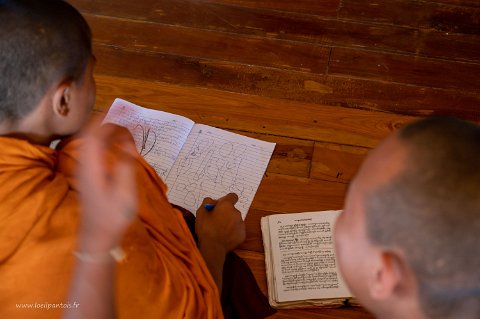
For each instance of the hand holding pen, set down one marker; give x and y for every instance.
(220, 229)
(219, 221)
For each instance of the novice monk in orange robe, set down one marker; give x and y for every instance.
(163, 275)
(47, 92)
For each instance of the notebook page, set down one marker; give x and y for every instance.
(159, 136)
(303, 256)
(213, 163)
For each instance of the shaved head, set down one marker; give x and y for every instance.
(41, 43)
(428, 206)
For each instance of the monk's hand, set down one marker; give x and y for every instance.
(107, 192)
(219, 230)
(222, 226)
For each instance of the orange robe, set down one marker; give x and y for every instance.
(164, 275)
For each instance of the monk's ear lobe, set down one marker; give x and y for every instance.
(388, 276)
(61, 100)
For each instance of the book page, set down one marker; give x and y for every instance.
(267, 245)
(303, 256)
(215, 162)
(159, 136)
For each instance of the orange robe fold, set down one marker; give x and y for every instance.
(164, 275)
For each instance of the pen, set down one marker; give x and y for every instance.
(209, 207)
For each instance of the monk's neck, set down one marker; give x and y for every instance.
(21, 131)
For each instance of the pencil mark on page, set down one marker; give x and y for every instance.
(148, 139)
(211, 165)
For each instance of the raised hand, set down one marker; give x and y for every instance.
(107, 192)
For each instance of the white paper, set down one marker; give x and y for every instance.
(303, 256)
(214, 162)
(159, 136)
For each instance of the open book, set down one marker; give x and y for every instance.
(300, 260)
(195, 160)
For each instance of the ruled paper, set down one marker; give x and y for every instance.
(214, 162)
(159, 136)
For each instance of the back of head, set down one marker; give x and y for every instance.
(431, 211)
(41, 43)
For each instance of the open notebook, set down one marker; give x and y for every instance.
(195, 160)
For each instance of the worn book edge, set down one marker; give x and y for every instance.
(271, 284)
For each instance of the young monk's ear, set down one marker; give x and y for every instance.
(389, 276)
(61, 100)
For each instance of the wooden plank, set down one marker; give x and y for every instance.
(305, 28)
(418, 14)
(298, 86)
(323, 31)
(463, 3)
(142, 10)
(313, 7)
(282, 193)
(156, 37)
(253, 113)
(254, 241)
(336, 162)
(292, 157)
(256, 262)
(153, 9)
(405, 69)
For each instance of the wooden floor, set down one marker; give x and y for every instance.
(324, 79)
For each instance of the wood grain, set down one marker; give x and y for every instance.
(155, 37)
(464, 3)
(336, 162)
(225, 17)
(335, 90)
(292, 156)
(253, 113)
(315, 7)
(153, 10)
(282, 193)
(404, 69)
(428, 15)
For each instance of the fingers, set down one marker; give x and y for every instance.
(113, 133)
(124, 186)
(227, 203)
(108, 134)
(208, 200)
(231, 197)
(116, 180)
